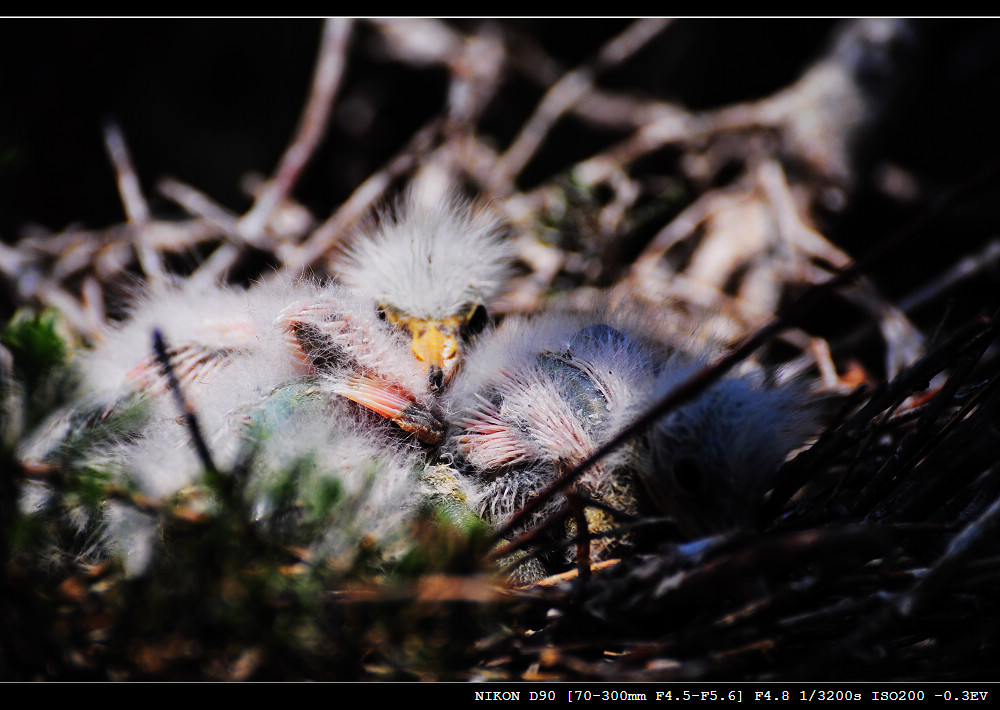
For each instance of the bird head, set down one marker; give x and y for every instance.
(430, 270)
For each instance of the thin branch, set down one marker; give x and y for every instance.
(310, 131)
(299, 258)
(571, 88)
(128, 182)
(136, 207)
(187, 411)
(966, 268)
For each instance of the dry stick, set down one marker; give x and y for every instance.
(601, 108)
(499, 552)
(966, 268)
(190, 418)
(310, 131)
(982, 406)
(576, 507)
(51, 293)
(92, 303)
(569, 89)
(904, 604)
(919, 441)
(943, 570)
(791, 228)
(676, 124)
(628, 524)
(885, 399)
(708, 376)
(297, 259)
(134, 202)
(201, 205)
(128, 183)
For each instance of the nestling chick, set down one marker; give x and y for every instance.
(312, 474)
(711, 460)
(389, 341)
(537, 398)
(540, 396)
(432, 270)
(277, 333)
(233, 352)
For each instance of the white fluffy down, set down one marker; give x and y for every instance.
(234, 355)
(211, 331)
(302, 427)
(429, 261)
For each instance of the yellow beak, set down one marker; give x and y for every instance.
(435, 344)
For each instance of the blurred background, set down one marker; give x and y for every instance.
(209, 102)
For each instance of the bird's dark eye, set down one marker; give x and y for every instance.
(690, 477)
(477, 321)
(380, 311)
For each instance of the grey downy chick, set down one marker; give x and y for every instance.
(541, 396)
(537, 398)
(711, 460)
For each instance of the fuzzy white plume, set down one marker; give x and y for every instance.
(429, 261)
(271, 371)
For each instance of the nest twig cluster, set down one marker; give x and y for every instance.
(874, 554)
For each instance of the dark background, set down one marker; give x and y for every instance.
(206, 101)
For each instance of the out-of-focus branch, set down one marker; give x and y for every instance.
(309, 133)
(136, 207)
(569, 89)
(298, 258)
(128, 182)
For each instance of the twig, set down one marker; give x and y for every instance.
(576, 508)
(957, 552)
(200, 205)
(918, 441)
(136, 207)
(309, 133)
(569, 89)
(128, 182)
(187, 411)
(966, 268)
(299, 258)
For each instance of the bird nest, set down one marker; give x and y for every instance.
(872, 556)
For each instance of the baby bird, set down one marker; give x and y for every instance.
(711, 460)
(277, 333)
(537, 398)
(389, 340)
(312, 475)
(540, 396)
(274, 375)
(432, 270)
